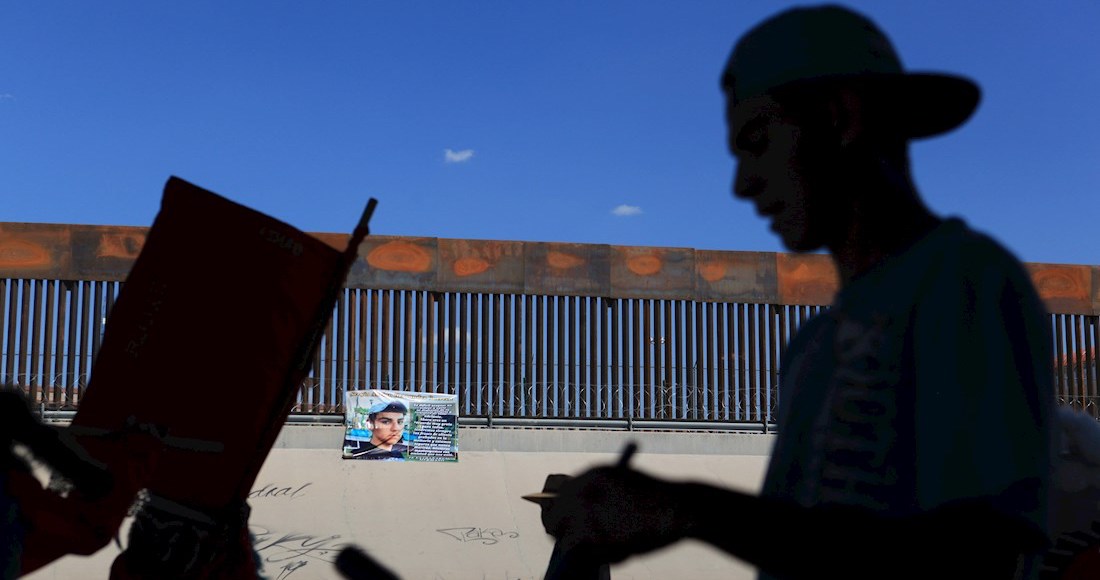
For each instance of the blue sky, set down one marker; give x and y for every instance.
(511, 120)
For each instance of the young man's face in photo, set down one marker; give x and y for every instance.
(386, 428)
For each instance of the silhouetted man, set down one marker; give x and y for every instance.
(915, 414)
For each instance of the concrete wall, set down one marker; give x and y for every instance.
(463, 520)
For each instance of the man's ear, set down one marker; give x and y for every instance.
(846, 109)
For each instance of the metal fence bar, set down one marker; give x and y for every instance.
(51, 345)
(473, 392)
(23, 375)
(566, 358)
(489, 372)
(49, 348)
(1062, 382)
(577, 347)
(539, 371)
(508, 385)
(11, 296)
(71, 353)
(1091, 364)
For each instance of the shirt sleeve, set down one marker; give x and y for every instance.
(984, 397)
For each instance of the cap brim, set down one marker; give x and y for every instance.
(933, 104)
(926, 104)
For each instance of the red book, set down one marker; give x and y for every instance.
(201, 360)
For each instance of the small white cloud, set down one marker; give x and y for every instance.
(452, 156)
(626, 210)
(7, 97)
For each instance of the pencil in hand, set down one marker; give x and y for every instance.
(628, 452)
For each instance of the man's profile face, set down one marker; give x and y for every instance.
(776, 172)
(386, 429)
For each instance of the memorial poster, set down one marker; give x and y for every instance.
(400, 426)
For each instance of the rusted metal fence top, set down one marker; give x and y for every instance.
(105, 253)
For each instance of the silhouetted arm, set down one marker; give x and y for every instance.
(619, 512)
(969, 539)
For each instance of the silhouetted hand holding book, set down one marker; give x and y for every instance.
(610, 513)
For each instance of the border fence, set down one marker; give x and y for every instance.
(519, 330)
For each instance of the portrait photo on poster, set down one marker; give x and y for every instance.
(387, 425)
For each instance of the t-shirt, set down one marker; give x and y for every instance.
(927, 381)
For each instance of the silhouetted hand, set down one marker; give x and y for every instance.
(51, 445)
(615, 512)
